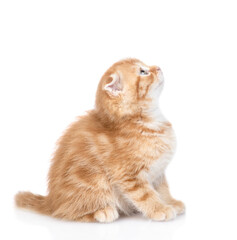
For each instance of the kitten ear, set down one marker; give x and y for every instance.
(114, 87)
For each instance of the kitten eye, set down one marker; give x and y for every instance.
(143, 72)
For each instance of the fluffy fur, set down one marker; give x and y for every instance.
(112, 160)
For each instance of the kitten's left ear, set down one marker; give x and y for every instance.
(114, 87)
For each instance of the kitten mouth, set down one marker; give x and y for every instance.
(161, 82)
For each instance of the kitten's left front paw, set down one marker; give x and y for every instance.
(164, 213)
(178, 206)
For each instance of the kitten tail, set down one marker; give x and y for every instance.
(33, 202)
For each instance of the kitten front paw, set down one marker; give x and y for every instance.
(178, 206)
(164, 213)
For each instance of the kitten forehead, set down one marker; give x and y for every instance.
(143, 67)
(129, 61)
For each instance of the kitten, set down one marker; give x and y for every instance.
(112, 161)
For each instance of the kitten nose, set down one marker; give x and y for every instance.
(155, 68)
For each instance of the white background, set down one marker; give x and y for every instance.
(52, 55)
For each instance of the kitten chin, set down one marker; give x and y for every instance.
(112, 160)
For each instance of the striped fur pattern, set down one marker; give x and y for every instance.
(112, 161)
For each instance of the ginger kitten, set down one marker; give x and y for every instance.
(113, 160)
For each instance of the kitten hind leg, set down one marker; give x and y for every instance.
(108, 214)
(105, 215)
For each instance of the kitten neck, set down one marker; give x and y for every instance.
(155, 117)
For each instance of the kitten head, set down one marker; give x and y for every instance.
(129, 88)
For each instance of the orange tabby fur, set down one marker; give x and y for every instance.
(113, 159)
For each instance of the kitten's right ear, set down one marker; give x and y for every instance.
(114, 87)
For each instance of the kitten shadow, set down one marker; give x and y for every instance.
(133, 227)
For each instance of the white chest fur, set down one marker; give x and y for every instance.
(158, 166)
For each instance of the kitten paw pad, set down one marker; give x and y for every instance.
(108, 214)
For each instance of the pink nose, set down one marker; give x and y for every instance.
(157, 68)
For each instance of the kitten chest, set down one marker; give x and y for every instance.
(166, 147)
